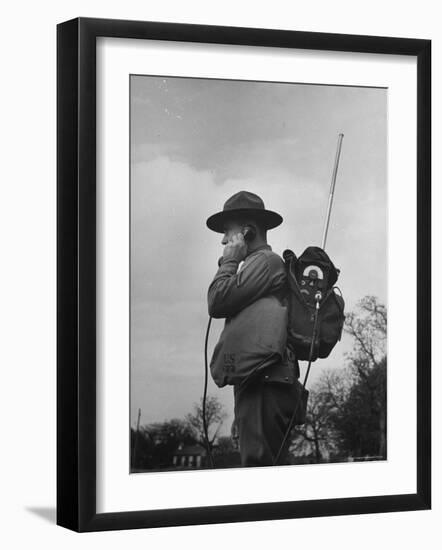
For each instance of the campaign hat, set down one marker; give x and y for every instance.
(244, 205)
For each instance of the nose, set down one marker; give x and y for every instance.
(225, 240)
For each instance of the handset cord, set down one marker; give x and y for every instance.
(206, 377)
(310, 357)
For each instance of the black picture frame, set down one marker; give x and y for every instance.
(76, 273)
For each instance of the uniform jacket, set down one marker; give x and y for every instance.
(262, 273)
(258, 290)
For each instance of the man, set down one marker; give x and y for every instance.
(265, 391)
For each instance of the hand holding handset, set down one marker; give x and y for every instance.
(236, 248)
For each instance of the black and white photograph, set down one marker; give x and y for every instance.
(219, 323)
(258, 274)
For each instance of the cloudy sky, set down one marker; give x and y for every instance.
(195, 142)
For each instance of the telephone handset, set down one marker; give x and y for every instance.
(249, 232)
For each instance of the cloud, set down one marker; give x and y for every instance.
(220, 126)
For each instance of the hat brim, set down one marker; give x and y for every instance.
(268, 218)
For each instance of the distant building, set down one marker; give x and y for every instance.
(189, 456)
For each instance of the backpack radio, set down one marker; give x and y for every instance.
(311, 279)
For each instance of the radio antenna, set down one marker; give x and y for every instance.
(332, 191)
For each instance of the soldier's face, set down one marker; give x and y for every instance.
(231, 228)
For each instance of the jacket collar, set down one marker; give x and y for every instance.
(262, 247)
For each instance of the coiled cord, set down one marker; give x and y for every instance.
(206, 377)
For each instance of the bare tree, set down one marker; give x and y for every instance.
(317, 436)
(368, 326)
(215, 416)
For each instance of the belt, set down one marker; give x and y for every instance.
(285, 373)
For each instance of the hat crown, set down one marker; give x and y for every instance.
(244, 200)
